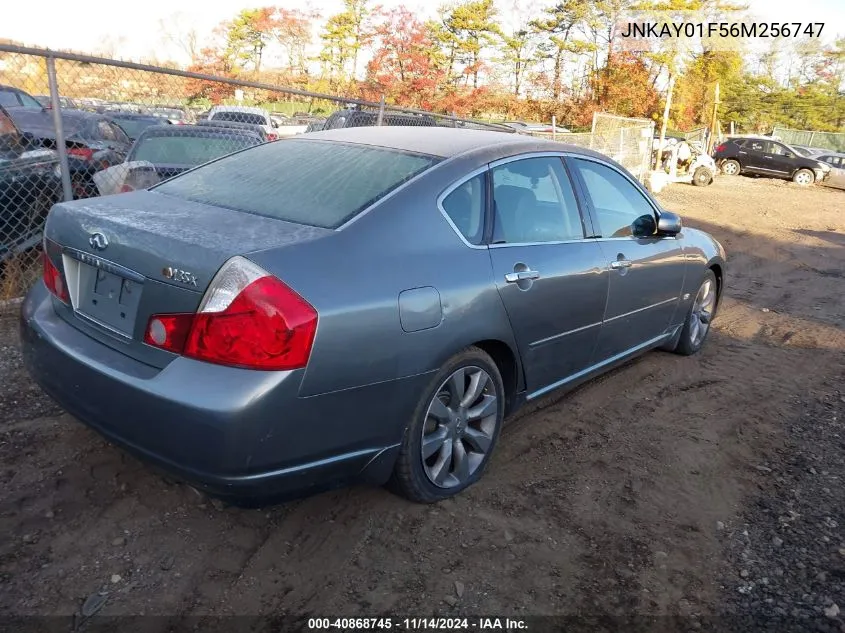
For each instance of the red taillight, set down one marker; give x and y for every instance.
(721, 148)
(54, 280)
(169, 331)
(272, 136)
(81, 152)
(126, 188)
(248, 319)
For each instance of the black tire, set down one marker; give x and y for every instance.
(804, 177)
(409, 476)
(702, 177)
(731, 167)
(687, 344)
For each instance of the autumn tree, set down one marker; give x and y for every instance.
(403, 66)
(291, 29)
(517, 49)
(464, 31)
(559, 26)
(344, 35)
(248, 35)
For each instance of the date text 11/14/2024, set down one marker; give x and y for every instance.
(417, 624)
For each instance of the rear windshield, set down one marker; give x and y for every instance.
(189, 150)
(308, 182)
(134, 127)
(240, 117)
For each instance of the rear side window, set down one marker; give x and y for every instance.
(306, 182)
(465, 207)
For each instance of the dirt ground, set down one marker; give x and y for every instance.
(629, 495)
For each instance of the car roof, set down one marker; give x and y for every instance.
(245, 109)
(444, 142)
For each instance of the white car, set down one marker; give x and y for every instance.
(246, 114)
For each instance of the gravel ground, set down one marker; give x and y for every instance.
(705, 488)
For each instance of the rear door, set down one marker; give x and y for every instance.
(754, 157)
(646, 272)
(550, 276)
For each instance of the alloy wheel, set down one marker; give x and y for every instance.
(459, 427)
(702, 312)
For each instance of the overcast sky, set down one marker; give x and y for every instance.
(133, 30)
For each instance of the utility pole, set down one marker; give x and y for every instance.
(665, 121)
(714, 124)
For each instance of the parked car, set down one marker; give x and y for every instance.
(94, 142)
(809, 152)
(234, 125)
(133, 124)
(357, 304)
(352, 117)
(316, 126)
(837, 169)
(245, 114)
(176, 116)
(65, 102)
(29, 186)
(536, 128)
(14, 98)
(164, 151)
(766, 157)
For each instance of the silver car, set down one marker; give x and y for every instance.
(837, 169)
(362, 304)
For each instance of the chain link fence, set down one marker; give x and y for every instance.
(75, 126)
(834, 141)
(628, 141)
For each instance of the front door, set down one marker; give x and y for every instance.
(551, 279)
(781, 158)
(646, 272)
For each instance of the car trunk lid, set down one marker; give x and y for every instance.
(129, 256)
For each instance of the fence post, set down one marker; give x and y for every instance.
(61, 148)
(554, 128)
(380, 111)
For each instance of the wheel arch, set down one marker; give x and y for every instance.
(507, 361)
(718, 269)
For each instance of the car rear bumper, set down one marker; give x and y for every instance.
(231, 432)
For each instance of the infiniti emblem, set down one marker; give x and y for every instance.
(98, 241)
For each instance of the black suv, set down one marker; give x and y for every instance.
(767, 157)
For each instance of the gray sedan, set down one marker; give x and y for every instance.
(837, 169)
(362, 304)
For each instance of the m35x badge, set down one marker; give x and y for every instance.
(180, 276)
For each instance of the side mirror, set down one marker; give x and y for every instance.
(669, 224)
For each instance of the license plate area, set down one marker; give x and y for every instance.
(103, 292)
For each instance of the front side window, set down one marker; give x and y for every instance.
(778, 149)
(534, 202)
(621, 209)
(465, 207)
(104, 131)
(315, 183)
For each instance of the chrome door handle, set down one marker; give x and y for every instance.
(621, 263)
(512, 278)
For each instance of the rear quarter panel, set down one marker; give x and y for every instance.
(354, 277)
